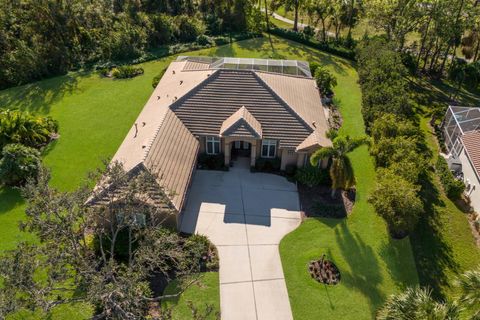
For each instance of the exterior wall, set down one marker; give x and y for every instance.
(288, 156)
(470, 176)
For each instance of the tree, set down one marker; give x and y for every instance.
(341, 171)
(395, 200)
(103, 245)
(417, 304)
(319, 11)
(469, 284)
(18, 164)
(325, 80)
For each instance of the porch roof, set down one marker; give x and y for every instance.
(241, 124)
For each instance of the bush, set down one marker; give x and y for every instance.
(220, 41)
(267, 164)
(157, 78)
(325, 80)
(21, 127)
(212, 162)
(313, 67)
(18, 164)
(125, 72)
(202, 251)
(312, 176)
(290, 170)
(453, 187)
(188, 28)
(395, 200)
(308, 32)
(204, 40)
(324, 46)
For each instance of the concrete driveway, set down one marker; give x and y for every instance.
(245, 215)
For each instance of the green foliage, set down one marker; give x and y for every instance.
(382, 79)
(46, 38)
(212, 161)
(308, 32)
(341, 171)
(21, 127)
(335, 48)
(396, 200)
(453, 187)
(313, 67)
(125, 72)
(18, 163)
(290, 170)
(325, 80)
(204, 40)
(417, 304)
(157, 78)
(469, 285)
(203, 251)
(268, 164)
(312, 176)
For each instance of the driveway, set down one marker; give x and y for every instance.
(245, 215)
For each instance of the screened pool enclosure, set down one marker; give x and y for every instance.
(458, 121)
(289, 67)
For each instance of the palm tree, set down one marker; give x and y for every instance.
(469, 284)
(341, 171)
(417, 303)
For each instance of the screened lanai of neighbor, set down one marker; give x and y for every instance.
(458, 121)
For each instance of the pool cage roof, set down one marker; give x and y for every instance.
(287, 67)
(468, 119)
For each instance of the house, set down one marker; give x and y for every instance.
(258, 107)
(461, 130)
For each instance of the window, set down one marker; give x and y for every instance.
(269, 148)
(213, 145)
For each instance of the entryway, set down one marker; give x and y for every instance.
(241, 149)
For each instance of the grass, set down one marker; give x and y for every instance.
(443, 244)
(95, 114)
(372, 265)
(207, 288)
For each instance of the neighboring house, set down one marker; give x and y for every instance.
(263, 108)
(461, 129)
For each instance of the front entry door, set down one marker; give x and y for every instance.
(241, 149)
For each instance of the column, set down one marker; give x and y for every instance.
(227, 152)
(253, 153)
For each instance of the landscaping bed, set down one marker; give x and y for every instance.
(317, 201)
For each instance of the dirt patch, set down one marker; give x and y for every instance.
(317, 201)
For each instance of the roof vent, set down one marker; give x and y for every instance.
(181, 81)
(314, 124)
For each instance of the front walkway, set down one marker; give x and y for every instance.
(245, 215)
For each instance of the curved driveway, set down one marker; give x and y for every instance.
(245, 215)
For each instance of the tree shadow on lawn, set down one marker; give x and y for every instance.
(9, 199)
(433, 255)
(365, 275)
(40, 95)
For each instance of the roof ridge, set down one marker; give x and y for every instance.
(277, 96)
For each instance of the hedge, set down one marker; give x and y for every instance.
(311, 42)
(452, 187)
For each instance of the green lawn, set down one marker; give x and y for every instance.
(203, 294)
(372, 265)
(95, 114)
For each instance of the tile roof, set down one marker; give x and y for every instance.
(471, 143)
(205, 108)
(241, 124)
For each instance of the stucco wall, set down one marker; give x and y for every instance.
(470, 176)
(287, 158)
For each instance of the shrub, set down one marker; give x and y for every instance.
(453, 187)
(125, 72)
(219, 41)
(212, 162)
(204, 40)
(202, 251)
(21, 127)
(312, 176)
(308, 32)
(313, 67)
(325, 80)
(395, 200)
(157, 78)
(188, 28)
(18, 164)
(324, 46)
(267, 164)
(290, 170)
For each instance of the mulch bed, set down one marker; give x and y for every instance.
(324, 271)
(318, 202)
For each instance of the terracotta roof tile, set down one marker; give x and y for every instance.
(471, 143)
(241, 124)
